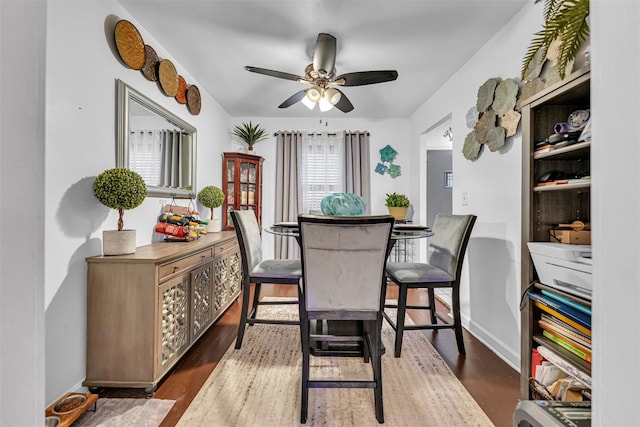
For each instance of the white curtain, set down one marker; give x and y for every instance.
(322, 170)
(145, 154)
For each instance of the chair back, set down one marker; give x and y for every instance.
(343, 262)
(449, 242)
(249, 239)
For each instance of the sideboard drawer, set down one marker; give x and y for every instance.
(221, 248)
(185, 263)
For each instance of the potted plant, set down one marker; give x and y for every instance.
(120, 189)
(211, 197)
(397, 204)
(249, 133)
(564, 21)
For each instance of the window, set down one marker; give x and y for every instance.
(322, 168)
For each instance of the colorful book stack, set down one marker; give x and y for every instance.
(564, 323)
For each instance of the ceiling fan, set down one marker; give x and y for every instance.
(321, 75)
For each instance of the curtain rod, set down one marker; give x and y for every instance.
(320, 133)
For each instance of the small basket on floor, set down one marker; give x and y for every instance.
(539, 391)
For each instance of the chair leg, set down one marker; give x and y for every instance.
(432, 306)
(304, 400)
(376, 362)
(243, 314)
(402, 311)
(256, 299)
(455, 303)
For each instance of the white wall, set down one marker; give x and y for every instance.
(82, 68)
(22, 116)
(490, 289)
(394, 132)
(615, 105)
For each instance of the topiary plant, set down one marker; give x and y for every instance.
(395, 200)
(120, 189)
(211, 197)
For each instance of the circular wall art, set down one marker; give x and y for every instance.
(168, 77)
(150, 64)
(181, 96)
(130, 44)
(193, 100)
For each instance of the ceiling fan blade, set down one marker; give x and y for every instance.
(344, 104)
(324, 55)
(272, 73)
(362, 78)
(296, 97)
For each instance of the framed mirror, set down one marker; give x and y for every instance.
(156, 144)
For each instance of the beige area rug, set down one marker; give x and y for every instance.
(259, 385)
(126, 413)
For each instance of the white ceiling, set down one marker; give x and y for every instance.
(426, 41)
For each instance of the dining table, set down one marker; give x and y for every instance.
(401, 233)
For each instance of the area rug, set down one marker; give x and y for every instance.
(259, 385)
(126, 413)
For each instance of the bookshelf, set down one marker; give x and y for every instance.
(544, 206)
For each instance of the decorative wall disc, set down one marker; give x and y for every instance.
(472, 117)
(181, 96)
(510, 122)
(535, 66)
(486, 122)
(193, 100)
(471, 148)
(531, 87)
(505, 97)
(495, 138)
(168, 77)
(150, 64)
(485, 95)
(130, 44)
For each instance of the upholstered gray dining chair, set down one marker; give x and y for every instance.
(258, 271)
(444, 263)
(343, 263)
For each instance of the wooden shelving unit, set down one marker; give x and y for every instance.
(242, 185)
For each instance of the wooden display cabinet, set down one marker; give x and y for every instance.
(242, 185)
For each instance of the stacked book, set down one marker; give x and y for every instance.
(563, 324)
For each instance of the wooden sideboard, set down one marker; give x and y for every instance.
(145, 310)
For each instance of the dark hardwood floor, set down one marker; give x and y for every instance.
(491, 382)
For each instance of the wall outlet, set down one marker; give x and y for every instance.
(465, 198)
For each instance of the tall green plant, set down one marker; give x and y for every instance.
(249, 133)
(563, 19)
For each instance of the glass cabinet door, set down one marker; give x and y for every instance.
(242, 184)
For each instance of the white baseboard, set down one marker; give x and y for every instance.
(507, 354)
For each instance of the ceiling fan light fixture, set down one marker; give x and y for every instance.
(325, 105)
(314, 94)
(332, 95)
(308, 103)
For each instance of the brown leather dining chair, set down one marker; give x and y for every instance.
(343, 263)
(257, 270)
(445, 256)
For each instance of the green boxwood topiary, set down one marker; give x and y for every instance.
(120, 189)
(211, 197)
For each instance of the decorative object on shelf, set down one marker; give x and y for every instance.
(343, 204)
(139, 56)
(249, 133)
(565, 27)
(398, 205)
(212, 197)
(495, 117)
(120, 189)
(130, 44)
(388, 155)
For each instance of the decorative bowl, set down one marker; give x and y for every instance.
(343, 204)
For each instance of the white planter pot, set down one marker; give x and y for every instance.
(214, 225)
(116, 242)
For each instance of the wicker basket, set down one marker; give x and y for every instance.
(539, 391)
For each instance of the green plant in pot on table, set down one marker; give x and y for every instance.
(397, 204)
(211, 197)
(120, 189)
(249, 133)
